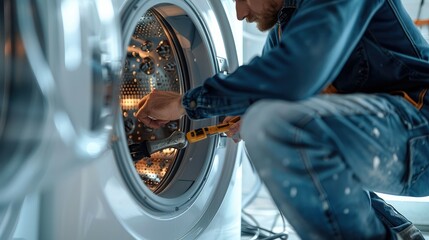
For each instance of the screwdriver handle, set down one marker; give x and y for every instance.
(202, 133)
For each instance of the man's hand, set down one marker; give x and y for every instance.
(234, 129)
(160, 107)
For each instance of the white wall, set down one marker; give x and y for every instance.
(253, 39)
(414, 9)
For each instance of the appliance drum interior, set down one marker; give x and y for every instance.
(153, 61)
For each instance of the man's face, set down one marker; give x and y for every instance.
(263, 12)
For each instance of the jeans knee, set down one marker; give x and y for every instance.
(272, 130)
(272, 117)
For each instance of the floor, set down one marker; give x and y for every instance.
(259, 210)
(261, 213)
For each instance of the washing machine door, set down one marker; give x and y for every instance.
(173, 45)
(23, 110)
(9, 216)
(54, 55)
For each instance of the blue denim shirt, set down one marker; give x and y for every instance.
(341, 46)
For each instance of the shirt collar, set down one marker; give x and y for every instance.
(288, 7)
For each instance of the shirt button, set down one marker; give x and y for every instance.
(192, 104)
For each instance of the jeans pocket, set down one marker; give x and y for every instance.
(418, 168)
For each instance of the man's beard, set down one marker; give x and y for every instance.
(268, 19)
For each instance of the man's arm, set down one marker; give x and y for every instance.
(315, 45)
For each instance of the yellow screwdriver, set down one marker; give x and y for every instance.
(202, 133)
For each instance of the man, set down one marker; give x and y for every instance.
(339, 101)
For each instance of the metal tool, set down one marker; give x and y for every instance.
(178, 140)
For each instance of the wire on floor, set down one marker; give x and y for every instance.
(253, 230)
(256, 232)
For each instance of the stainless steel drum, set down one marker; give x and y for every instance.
(154, 61)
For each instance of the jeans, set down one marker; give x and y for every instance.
(318, 158)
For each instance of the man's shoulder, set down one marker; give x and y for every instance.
(272, 39)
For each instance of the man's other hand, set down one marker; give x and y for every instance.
(160, 107)
(234, 129)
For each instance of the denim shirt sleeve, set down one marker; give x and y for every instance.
(314, 46)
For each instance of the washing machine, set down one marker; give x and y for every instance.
(101, 191)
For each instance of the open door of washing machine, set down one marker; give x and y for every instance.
(9, 214)
(51, 52)
(194, 193)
